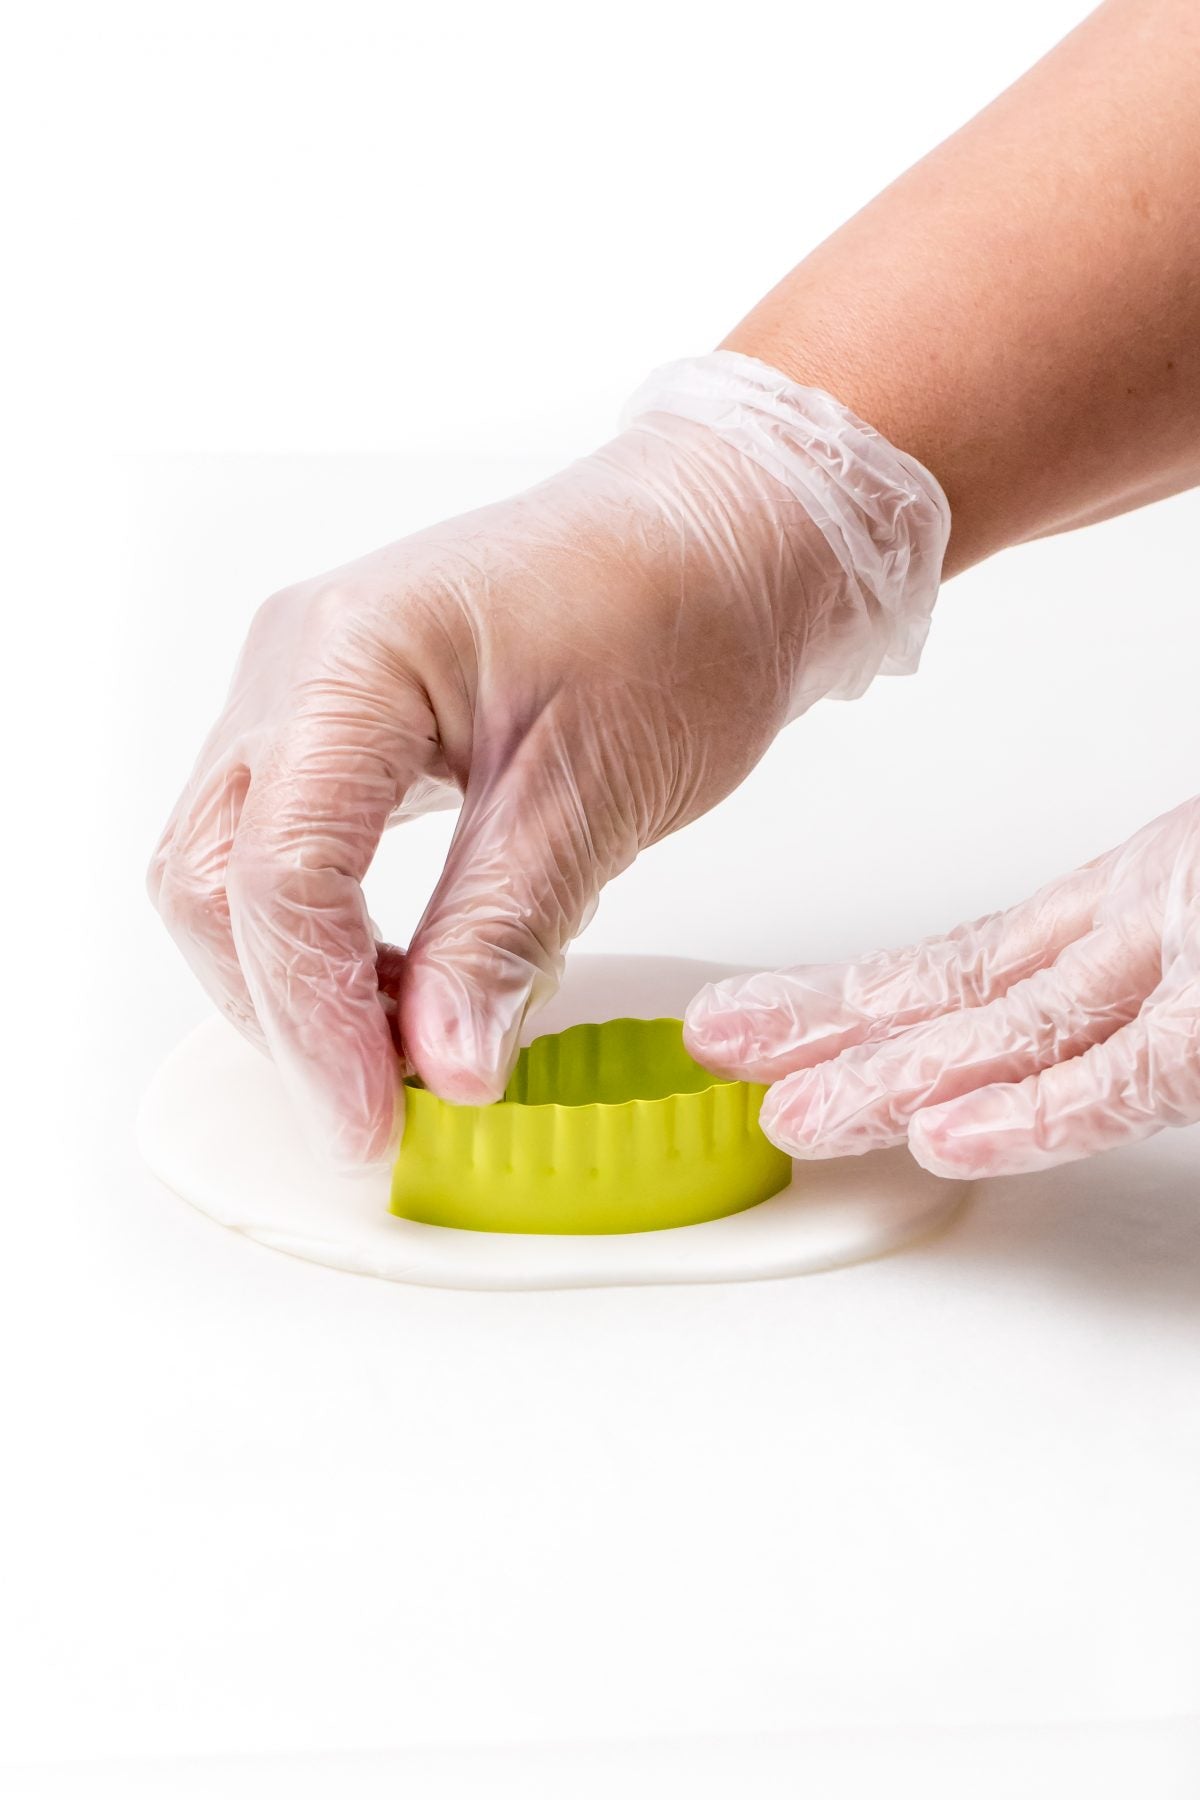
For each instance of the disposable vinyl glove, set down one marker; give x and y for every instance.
(587, 667)
(1033, 1037)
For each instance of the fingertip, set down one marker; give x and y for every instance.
(708, 1010)
(343, 1078)
(463, 1086)
(776, 1132)
(733, 1027)
(947, 1141)
(713, 1047)
(772, 1121)
(789, 1117)
(356, 1132)
(358, 1156)
(935, 1153)
(379, 1144)
(462, 1043)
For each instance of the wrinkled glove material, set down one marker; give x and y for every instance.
(582, 669)
(1063, 1027)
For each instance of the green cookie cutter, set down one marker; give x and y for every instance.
(603, 1128)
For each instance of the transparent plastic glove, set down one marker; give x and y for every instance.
(1032, 1037)
(587, 667)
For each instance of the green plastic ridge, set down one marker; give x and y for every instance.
(603, 1128)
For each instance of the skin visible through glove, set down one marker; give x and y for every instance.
(1029, 1038)
(593, 664)
(589, 666)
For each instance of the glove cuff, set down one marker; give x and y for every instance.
(883, 515)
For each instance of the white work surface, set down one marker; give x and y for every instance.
(935, 1516)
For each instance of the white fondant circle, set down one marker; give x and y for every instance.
(216, 1127)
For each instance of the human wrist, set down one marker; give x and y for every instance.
(881, 515)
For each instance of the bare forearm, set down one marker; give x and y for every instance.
(1021, 310)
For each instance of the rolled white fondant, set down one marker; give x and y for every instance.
(216, 1127)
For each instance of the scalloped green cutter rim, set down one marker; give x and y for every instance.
(607, 1127)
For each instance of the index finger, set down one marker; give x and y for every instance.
(761, 1027)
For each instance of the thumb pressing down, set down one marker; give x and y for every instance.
(521, 880)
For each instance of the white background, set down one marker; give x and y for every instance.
(258, 1510)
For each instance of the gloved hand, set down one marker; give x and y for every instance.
(587, 666)
(1032, 1037)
